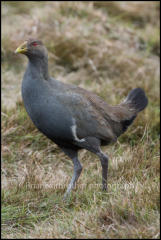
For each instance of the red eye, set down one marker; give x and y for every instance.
(34, 43)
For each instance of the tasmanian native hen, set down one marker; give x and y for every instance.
(70, 116)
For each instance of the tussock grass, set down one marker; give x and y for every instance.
(108, 48)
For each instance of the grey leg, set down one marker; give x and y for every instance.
(93, 145)
(73, 154)
(104, 163)
(76, 174)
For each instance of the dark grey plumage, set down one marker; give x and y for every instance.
(70, 116)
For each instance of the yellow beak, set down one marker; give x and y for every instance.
(22, 48)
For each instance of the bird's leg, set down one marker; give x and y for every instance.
(73, 154)
(104, 163)
(76, 174)
(93, 145)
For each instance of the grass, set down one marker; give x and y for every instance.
(108, 48)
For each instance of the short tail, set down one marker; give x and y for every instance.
(137, 99)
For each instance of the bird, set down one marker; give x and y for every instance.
(72, 117)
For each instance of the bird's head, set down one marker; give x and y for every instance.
(32, 48)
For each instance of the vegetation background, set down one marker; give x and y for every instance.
(108, 48)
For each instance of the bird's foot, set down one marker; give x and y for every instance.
(104, 188)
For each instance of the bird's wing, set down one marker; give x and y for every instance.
(88, 117)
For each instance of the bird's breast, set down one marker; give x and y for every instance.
(49, 115)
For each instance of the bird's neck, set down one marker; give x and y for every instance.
(40, 66)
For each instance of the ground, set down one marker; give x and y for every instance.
(108, 48)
